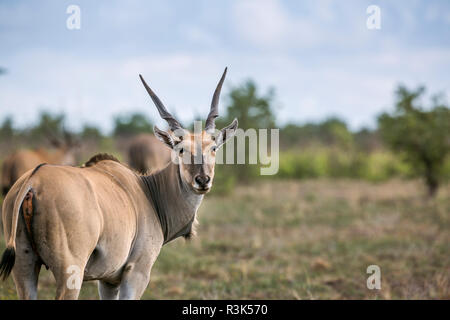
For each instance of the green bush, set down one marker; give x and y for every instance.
(334, 163)
(224, 180)
(382, 165)
(303, 164)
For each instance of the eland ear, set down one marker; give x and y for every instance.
(164, 136)
(226, 133)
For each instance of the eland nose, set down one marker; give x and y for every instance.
(202, 180)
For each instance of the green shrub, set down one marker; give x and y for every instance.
(224, 180)
(335, 163)
(383, 165)
(303, 164)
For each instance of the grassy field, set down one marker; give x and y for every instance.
(304, 240)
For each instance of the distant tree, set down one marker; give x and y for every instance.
(335, 131)
(49, 128)
(7, 129)
(128, 125)
(249, 107)
(423, 136)
(91, 133)
(367, 140)
(2, 70)
(253, 110)
(330, 132)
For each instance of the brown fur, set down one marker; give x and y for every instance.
(147, 154)
(18, 163)
(99, 157)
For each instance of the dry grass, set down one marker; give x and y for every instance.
(305, 240)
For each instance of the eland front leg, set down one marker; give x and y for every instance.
(108, 291)
(135, 280)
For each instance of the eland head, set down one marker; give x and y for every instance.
(194, 152)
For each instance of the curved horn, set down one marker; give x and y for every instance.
(214, 112)
(173, 123)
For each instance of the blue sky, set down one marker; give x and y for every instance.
(318, 55)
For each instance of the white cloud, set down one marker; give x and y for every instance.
(94, 89)
(268, 24)
(261, 22)
(198, 35)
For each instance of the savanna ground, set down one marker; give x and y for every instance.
(304, 240)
